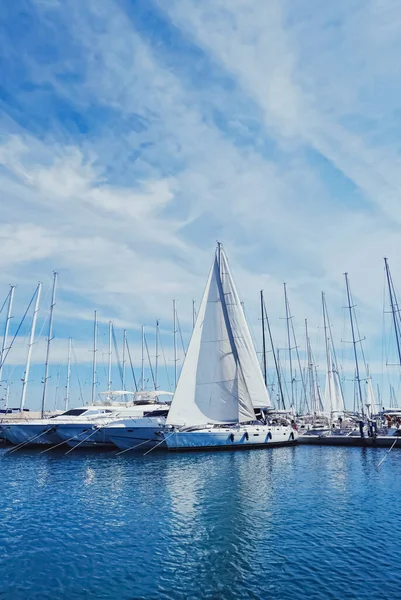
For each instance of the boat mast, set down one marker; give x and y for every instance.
(6, 327)
(49, 339)
(263, 337)
(175, 344)
(326, 340)
(143, 359)
(94, 372)
(276, 358)
(394, 307)
(310, 369)
(354, 343)
(123, 365)
(67, 386)
(30, 346)
(157, 354)
(109, 359)
(289, 342)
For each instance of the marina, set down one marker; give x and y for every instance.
(200, 310)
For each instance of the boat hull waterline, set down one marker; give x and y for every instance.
(224, 438)
(31, 435)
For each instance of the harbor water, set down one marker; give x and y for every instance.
(285, 523)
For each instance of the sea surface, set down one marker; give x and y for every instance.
(284, 523)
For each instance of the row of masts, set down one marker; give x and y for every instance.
(5, 349)
(315, 396)
(308, 376)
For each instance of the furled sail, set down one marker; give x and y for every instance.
(214, 385)
(370, 399)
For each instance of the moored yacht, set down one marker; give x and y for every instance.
(94, 430)
(221, 382)
(43, 431)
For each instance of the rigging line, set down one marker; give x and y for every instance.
(360, 340)
(180, 332)
(333, 349)
(3, 359)
(77, 373)
(120, 369)
(299, 362)
(165, 364)
(132, 366)
(150, 363)
(4, 303)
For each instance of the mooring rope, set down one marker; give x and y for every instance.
(133, 447)
(387, 453)
(163, 440)
(22, 444)
(82, 441)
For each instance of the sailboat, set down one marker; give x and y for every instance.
(221, 382)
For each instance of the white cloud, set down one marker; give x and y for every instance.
(129, 212)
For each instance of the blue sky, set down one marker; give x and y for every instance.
(135, 134)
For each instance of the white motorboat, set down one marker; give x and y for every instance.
(138, 434)
(93, 430)
(221, 382)
(43, 431)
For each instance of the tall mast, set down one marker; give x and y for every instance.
(326, 340)
(94, 372)
(354, 343)
(30, 346)
(157, 354)
(143, 359)
(310, 368)
(6, 327)
(109, 358)
(287, 316)
(123, 365)
(263, 338)
(49, 339)
(67, 386)
(394, 307)
(276, 358)
(175, 344)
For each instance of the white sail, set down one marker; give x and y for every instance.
(248, 360)
(213, 385)
(370, 399)
(333, 396)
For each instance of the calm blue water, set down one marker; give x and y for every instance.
(288, 523)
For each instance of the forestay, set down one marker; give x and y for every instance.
(215, 383)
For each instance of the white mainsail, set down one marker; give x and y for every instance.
(333, 396)
(220, 377)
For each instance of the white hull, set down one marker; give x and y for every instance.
(92, 433)
(84, 435)
(231, 437)
(137, 434)
(42, 434)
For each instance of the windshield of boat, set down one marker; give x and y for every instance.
(74, 412)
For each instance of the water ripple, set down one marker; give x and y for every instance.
(312, 522)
